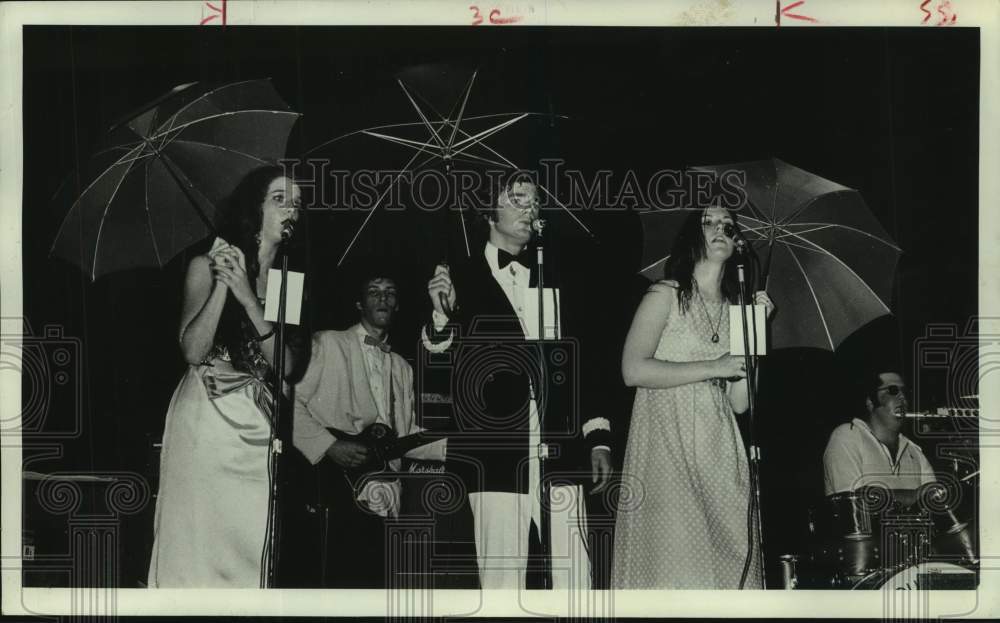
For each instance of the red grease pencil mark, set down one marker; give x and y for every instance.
(804, 18)
(923, 8)
(945, 10)
(477, 17)
(496, 19)
(219, 12)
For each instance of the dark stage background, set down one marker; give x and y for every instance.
(890, 112)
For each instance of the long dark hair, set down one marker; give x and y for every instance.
(240, 227)
(689, 249)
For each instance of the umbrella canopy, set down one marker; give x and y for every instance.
(825, 260)
(156, 184)
(443, 156)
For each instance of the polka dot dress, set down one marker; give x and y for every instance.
(682, 519)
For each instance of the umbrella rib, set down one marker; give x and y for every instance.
(106, 171)
(107, 207)
(149, 220)
(420, 112)
(812, 292)
(554, 198)
(445, 122)
(664, 258)
(545, 190)
(478, 138)
(165, 132)
(455, 125)
(220, 148)
(334, 140)
(399, 140)
(821, 226)
(420, 124)
(802, 208)
(479, 159)
(375, 207)
(213, 92)
(461, 111)
(839, 261)
(568, 211)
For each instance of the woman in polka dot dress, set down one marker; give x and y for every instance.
(682, 520)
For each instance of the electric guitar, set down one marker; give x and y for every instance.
(383, 445)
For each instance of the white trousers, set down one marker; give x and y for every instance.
(502, 524)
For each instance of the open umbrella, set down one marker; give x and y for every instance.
(464, 151)
(155, 185)
(826, 261)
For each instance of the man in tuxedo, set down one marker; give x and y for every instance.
(516, 402)
(355, 380)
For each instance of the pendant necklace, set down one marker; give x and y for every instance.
(718, 323)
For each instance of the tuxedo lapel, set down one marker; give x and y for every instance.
(491, 302)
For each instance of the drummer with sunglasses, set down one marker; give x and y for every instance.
(873, 450)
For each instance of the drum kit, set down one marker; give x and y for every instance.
(874, 538)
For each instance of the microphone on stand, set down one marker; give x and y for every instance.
(537, 225)
(287, 231)
(730, 231)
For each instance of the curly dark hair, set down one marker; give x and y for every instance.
(240, 227)
(688, 249)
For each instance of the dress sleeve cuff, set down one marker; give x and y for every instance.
(438, 347)
(597, 433)
(596, 423)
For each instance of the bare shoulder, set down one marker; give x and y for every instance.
(663, 286)
(661, 293)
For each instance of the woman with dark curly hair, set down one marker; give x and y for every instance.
(685, 458)
(212, 506)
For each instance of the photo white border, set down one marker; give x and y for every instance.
(759, 13)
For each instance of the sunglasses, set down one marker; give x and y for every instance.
(894, 390)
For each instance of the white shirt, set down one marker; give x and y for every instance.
(379, 366)
(854, 458)
(381, 496)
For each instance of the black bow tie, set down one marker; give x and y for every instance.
(525, 258)
(382, 346)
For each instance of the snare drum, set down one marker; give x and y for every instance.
(923, 576)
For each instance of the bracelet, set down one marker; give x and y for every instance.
(261, 338)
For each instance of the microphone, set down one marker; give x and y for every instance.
(287, 231)
(538, 225)
(730, 232)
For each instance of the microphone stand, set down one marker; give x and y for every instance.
(750, 364)
(545, 537)
(271, 544)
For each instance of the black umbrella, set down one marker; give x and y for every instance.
(156, 184)
(441, 158)
(825, 260)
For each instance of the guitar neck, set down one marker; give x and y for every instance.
(405, 444)
(392, 449)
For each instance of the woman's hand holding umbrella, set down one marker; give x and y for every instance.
(761, 298)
